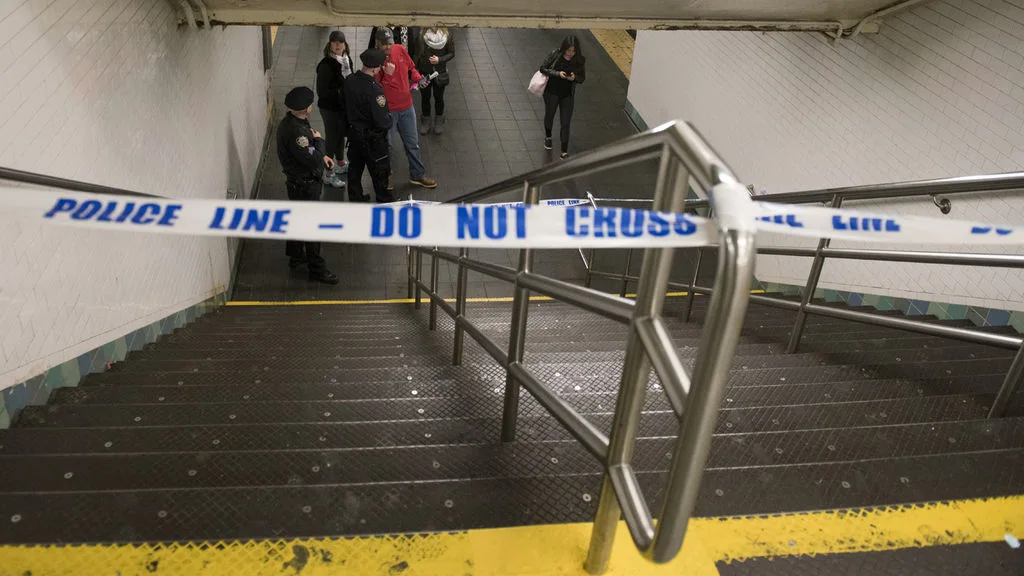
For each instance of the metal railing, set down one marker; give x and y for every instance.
(835, 198)
(682, 154)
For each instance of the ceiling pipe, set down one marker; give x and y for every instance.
(829, 27)
(905, 4)
(190, 15)
(205, 12)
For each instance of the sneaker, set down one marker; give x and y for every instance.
(424, 182)
(439, 125)
(426, 125)
(324, 276)
(547, 143)
(564, 155)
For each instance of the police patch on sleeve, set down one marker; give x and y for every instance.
(302, 141)
(382, 101)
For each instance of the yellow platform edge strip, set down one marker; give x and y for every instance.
(243, 303)
(556, 549)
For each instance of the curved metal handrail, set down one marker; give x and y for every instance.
(683, 155)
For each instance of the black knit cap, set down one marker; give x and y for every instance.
(299, 98)
(337, 36)
(373, 58)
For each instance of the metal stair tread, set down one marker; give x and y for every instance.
(243, 513)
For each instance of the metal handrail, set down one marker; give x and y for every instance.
(66, 184)
(682, 154)
(835, 197)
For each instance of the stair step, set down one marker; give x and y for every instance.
(297, 510)
(776, 393)
(109, 472)
(740, 419)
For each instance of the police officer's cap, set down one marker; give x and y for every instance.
(299, 98)
(373, 58)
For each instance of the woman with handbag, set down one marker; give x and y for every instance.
(331, 72)
(436, 48)
(565, 68)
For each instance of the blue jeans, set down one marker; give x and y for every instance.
(405, 124)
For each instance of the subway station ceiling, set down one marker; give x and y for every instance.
(833, 16)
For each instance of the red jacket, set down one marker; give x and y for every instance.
(396, 85)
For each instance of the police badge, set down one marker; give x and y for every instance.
(382, 101)
(302, 141)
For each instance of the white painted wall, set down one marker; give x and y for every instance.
(114, 92)
(939, 92)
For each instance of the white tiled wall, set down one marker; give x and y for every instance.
(115, 92)
(939, 92)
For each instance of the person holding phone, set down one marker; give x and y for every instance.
(331, 72)
(436, 48)
(565, 68)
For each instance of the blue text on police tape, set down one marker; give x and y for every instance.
(116, 211)
(409, 221)
(858, 223)
(250, 219)
(494, 223)
(612, 222)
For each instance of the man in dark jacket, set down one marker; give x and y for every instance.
(369, 121)
(303, 157)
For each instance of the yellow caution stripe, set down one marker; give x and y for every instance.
(546, 550)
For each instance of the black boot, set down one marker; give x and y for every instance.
(324, 276)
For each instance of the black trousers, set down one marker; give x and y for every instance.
(308, 252)
(370, 153)
(335, 129)
(438, 93)
(564, 105)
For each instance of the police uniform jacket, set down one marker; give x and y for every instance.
(301, 154)
(368, 114)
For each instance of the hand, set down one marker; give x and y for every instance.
(572, 76)
(316, 134)
(329, 162)
(434, 60)
(563, 76)
(389, 68)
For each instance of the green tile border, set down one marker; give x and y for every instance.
(36, 390)
(978, 315)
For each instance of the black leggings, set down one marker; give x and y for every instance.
(335, 128)
(564, 105)
(438, 92)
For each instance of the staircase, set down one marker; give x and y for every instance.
(286, 421)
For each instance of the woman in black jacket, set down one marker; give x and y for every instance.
(565, 68)
(331, 72)
(436, 48)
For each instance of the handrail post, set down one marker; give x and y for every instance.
(517, 330)
(1012, 383)
(669, 194)
(625, 273)
(433, 289)
(812, 285)
(409, 272)
(719, 338)
(419, 276)
(590, 269)
(460, 308)
(693, 284)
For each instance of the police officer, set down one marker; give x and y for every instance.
(303, 157)
(368, 123)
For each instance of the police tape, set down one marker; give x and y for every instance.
(511, 225)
